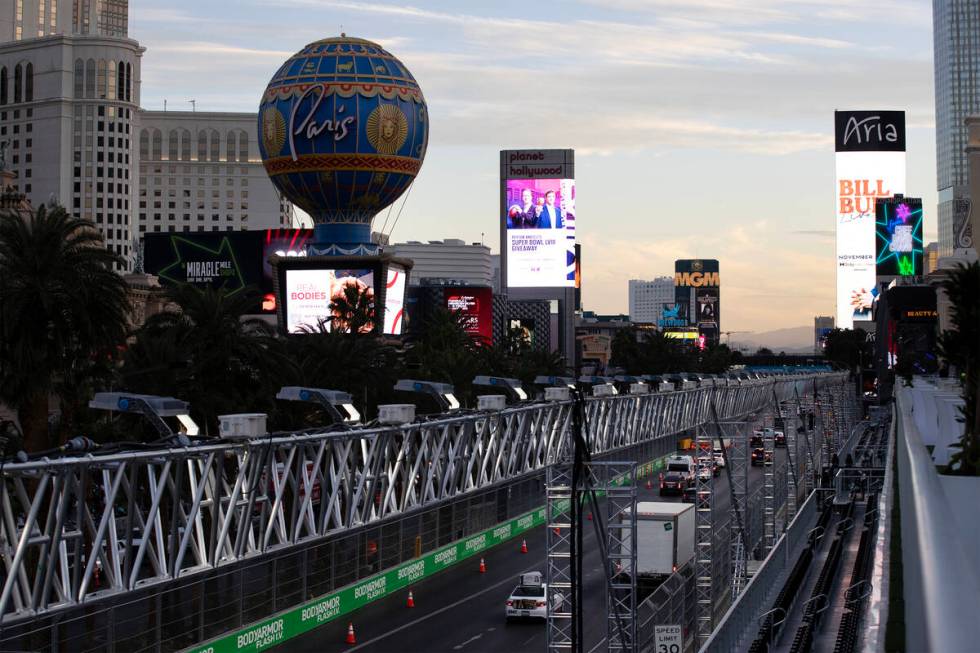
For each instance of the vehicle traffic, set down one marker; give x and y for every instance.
(529, 600)
(678, 477)
(761, 456)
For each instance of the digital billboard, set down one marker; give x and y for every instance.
(232, 260)
(475, 308)
(697, 292)
(540, 228)
(898, 236)
(674, 315)
(870, 163)
(394, 322)
(706, 305)
(310, 293)
(524, 328)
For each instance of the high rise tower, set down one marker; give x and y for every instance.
(956, 40)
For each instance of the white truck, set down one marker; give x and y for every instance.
(664, 541)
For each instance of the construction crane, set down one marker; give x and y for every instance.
(729, 334)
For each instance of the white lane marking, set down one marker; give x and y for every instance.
(436, 612)
(471, 639)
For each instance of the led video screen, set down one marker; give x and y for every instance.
(540, 227)
(310, 296)
(898, 237)
(475, 308)
(394, 322)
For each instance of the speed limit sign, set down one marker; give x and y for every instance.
(667, 638)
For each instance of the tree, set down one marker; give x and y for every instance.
(64, 315)
(960, 346)
(205, 351)
(444, 352)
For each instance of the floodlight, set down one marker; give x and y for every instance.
(511, 387)
(442, 393)
(152, 407)
(329, 400)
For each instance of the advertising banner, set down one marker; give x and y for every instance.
(310, 294)
(706, 300)
(898, 237)
(475, 307)
(870, 163)
(524, 328)
(697, 288)
(540, 228)
(395, 301)
(232, 260)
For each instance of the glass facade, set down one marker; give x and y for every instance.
(956, 42)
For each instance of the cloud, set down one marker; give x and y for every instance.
(818, 233)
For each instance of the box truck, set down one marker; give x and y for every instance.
(664, 542)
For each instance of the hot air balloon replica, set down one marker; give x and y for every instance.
(343, 130)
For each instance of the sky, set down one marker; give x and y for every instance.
(701, 128)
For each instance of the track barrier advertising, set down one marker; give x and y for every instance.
(305, 617)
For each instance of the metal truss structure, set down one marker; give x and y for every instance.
(737, 472)
(703, 540)
(82, 528)
(621, 543)
(768, 491)
(558, 489)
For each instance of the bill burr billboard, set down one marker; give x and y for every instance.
(538, 218)
(870, 163)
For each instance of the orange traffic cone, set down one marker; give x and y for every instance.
(411, 600)
(557, 531)
(483, 566)
(523, 546)
(350, 634)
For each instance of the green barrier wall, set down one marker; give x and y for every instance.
(296, 621)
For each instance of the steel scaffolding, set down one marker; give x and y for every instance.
(768, 491)
(621, 546)
(558, 490)
(703, 539)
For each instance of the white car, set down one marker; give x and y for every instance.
(719, 458)
(529, 600)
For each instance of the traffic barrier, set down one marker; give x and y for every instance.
(411, 600)
(483, 566)
(350, 634)
(523, 546)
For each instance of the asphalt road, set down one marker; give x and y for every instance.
(462, 610)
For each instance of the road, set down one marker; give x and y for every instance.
(461, 610)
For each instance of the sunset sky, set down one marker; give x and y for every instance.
(702, 128)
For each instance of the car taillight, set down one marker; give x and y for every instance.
(540, 604)
(509, 603)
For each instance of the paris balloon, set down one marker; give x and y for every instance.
(344, 129)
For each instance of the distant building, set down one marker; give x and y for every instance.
(202, 172)
(931, 258)
(821, 327)
(956, 56)
(447, 262)
(647, 298)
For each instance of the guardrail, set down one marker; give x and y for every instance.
(80, 529)
(941, 579)
(740, 623)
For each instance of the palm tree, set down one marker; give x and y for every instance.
(353, 311)
(64, 314)
(960, 346)
(205, 350)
